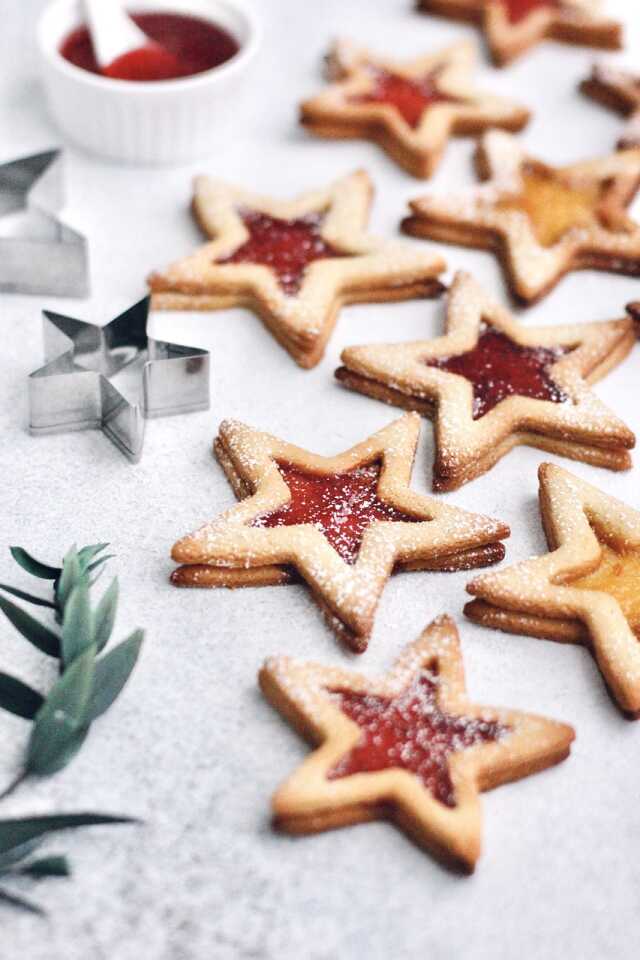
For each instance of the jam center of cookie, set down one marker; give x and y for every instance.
(285, 246)
(553, 207)
(517, 10)
(498, 368)
(409, 97)
(340, 505)
(617, 574)
(410, 732)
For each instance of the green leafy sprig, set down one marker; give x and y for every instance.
(86, 687)
(88, 684)
(19, 839)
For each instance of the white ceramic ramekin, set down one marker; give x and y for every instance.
(172, 121)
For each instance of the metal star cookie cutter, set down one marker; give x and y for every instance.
(73, 390)
(38, 252)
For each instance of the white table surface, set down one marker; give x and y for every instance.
(192, 747)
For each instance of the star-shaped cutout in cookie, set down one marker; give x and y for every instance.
(541, 221)
(512, 27)
(343, 523)
(409, 746)
(295, 263)
(490, 384)
(586, 590)
(410, 109)
(619, 89)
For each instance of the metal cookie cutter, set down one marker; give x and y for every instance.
(73, 391)
(39, 253)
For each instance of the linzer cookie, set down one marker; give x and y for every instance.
(410, 109)
(490, 384)
(586, 590)
(409, 746)
(512, 27)
(293, 262)
(619, 89)
(342, 523)
(541, 221)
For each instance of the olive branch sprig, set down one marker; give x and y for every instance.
(86, 687)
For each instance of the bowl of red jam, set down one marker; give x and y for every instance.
(170, 102)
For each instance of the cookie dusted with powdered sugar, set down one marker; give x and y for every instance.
(343, 524)
(586, 590)
(410, 108)
(490, 384)
(619, 89)
(512, 27)
(541, 221)
(409, 746)
(294, 263)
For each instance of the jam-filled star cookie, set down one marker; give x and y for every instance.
(541, 221)
(409, 746)
(619, 89)
(342, 523)
(490, 384)
(586, 590)
(512, 27)
(410, 109)
(295, 263)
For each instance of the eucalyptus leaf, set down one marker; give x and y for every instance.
(53, 866)
(18, 831)
(99, 565)
(100, 562)
(14, 856)
(60, 726)
(105, 615)
(29, 597)
(86, 555)
(33, 566)
(32, 630)
(58, 756)
(12, 900)
(112, 672)
(71, 574)
(77, 623)
(18, 698)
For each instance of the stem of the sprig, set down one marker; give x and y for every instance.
(13, 786)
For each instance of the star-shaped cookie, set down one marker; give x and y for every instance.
(409, 746)
(295, 262)
(410, 109)
(343, 523)
(586, 590)
(512, 27)
(619, 89)
(541, 221)
(491, 384)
